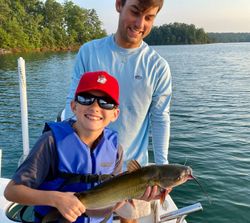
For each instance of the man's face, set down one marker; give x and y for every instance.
(134, 24)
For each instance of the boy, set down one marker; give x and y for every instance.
(71, 148)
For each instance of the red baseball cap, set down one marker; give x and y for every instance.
(101, 81)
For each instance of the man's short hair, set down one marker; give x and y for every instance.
(147, 4)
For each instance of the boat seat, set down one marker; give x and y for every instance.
(20, 213)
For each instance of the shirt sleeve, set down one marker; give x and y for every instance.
(160, 117)
(40, 164)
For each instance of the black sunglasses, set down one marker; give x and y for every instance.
(89, 99)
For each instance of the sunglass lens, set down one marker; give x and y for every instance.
(102, 102)
(85, 100)
(105, 104)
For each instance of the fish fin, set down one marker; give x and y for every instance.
(131, 201)
(133, 165)
(106, 218)
(118, 205)
(163, 195)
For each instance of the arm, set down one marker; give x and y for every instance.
(160, 118)
(39, 165)
(67, 204)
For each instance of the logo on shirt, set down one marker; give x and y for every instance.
(106, 164)
(101, 79)
(138, 76)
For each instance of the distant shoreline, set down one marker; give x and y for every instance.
(76, 48)
(4, 51)
(15, 50)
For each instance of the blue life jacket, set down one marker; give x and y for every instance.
(76, 159)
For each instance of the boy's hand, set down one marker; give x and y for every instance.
(69, 206)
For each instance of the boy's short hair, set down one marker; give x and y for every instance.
(101, 81)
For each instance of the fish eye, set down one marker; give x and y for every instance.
(178, 178)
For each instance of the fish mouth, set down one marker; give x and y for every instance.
(189, 174)
(184, 176)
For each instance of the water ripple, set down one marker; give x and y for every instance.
(210, 119)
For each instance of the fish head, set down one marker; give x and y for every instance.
(171, 175)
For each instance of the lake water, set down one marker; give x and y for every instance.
(210, 119)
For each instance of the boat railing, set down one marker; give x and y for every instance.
(0, 162)
(180, 214)
(24, 108)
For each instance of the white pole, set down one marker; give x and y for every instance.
(24, 107)
(0, 163)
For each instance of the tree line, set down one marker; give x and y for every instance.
(229, 37)
(181, 33)
(177, 33)
(34, 24)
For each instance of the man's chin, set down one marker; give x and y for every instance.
(135, 41)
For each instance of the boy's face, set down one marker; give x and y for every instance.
(93, 118)
(134, 24)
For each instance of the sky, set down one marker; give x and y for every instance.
(211, 15)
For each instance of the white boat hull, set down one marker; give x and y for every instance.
(4, 204)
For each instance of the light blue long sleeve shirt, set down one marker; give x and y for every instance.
(145, 93)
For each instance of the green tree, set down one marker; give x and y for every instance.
(33, 21)
(82, 24)
(176, 33)
(229, 37)
(5, 11)
(54, 21)
(74, 21)
(32, 24)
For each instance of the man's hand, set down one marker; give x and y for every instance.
(152, 193)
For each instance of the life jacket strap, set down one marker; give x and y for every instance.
(71, 178)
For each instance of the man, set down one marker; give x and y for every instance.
(143, 75)
(144, 78)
